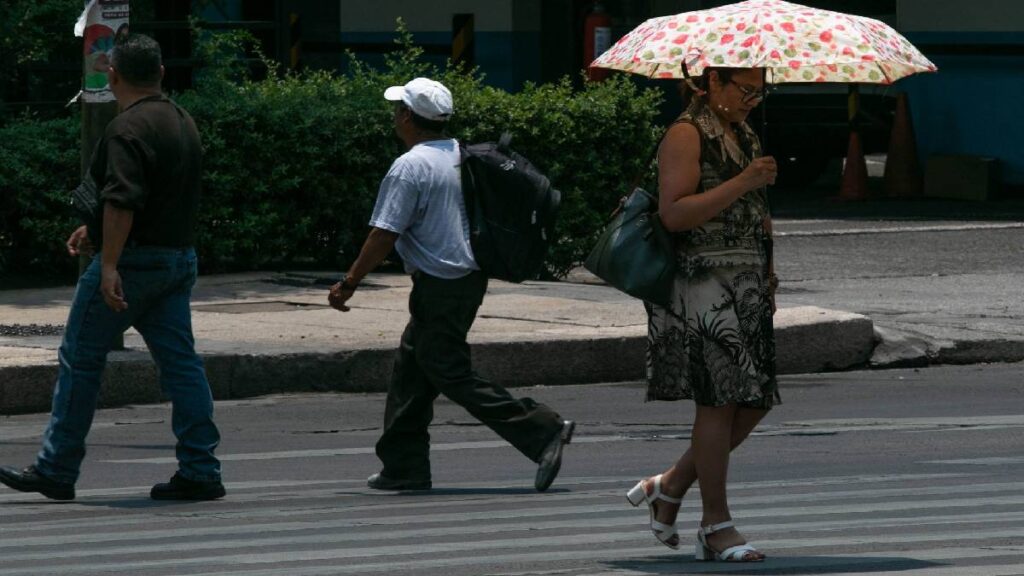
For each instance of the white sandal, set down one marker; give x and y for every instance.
(638, 494)
(732, 554)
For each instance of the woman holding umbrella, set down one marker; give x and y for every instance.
(713, 343)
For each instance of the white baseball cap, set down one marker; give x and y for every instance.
(425, 97)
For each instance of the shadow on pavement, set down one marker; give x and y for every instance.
(140, 502)
(435, 492)
(776, 565)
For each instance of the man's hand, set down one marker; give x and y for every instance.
(339, 295)
(110, 288)
(79, 243)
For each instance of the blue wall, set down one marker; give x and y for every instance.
(508, 59)
(973, 105)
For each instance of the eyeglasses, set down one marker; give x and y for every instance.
(751, 95)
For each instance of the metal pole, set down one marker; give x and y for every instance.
(95, 117)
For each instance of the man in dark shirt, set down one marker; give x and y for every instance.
(147, 169)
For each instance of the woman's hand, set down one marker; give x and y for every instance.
(760, 172)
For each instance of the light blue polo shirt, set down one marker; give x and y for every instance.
(420, 199)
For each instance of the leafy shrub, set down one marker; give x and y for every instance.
(39, 164)
(292, 163)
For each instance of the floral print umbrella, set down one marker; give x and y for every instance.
(795, 43)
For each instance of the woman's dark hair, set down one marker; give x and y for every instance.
(137, 58)
(702, 81)
(424, 124)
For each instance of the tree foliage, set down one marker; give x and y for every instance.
(292, 162)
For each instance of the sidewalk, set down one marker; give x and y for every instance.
(264, 333)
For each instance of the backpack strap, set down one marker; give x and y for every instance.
(505, 141)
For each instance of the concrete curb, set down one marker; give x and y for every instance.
(906, 349)
(808, 340)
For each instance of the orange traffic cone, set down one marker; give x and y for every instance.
(855, 175)
(902, 169)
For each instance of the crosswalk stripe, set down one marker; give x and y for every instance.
(233, 487)
(610, 503)
(635, 523)
(588, 522)
(589, 541)
(809, 427)
(430, 501)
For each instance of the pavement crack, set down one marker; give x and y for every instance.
(335, 430)
(560, 323)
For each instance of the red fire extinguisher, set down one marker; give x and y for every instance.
(597, 37)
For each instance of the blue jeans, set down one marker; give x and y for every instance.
(157, 284)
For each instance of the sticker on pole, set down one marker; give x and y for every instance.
(100, 24)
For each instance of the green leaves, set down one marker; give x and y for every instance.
(292, 163)
(39, 164)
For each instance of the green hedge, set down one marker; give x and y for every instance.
(292, 163)
(39, 164)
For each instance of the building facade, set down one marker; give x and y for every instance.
(965, 109)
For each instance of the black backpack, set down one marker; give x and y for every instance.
(511, 208)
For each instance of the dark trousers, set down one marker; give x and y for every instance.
(434, 358)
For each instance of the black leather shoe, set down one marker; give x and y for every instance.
(180, 488)
(381, 482)
(30, 480)
(551, 459)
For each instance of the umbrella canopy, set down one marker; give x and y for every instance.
(795, 43)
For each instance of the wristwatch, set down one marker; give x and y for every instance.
(347, 284)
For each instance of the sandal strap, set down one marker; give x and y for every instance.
(712, 528)
(737, 553)
(659, 495)
(669, 529)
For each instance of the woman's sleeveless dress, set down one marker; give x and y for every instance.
(715, 342)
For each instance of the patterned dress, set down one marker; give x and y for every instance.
(715, 342)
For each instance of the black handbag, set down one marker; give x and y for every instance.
(86, 203)
(85, 200)
(635, 253)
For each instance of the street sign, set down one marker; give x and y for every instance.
(100, 24)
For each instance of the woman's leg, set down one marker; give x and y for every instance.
(677, 480)
(716, 430)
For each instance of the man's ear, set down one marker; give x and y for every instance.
(162, 73)
(112, 76)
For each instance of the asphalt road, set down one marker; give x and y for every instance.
(885, 472)
(939, 278)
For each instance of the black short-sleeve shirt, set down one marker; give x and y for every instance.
(149, 162)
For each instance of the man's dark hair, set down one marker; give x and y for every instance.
(137, 59)
(424, 124)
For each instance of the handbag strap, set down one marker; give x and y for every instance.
(646, 166)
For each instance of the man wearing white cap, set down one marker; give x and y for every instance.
(420, 212)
